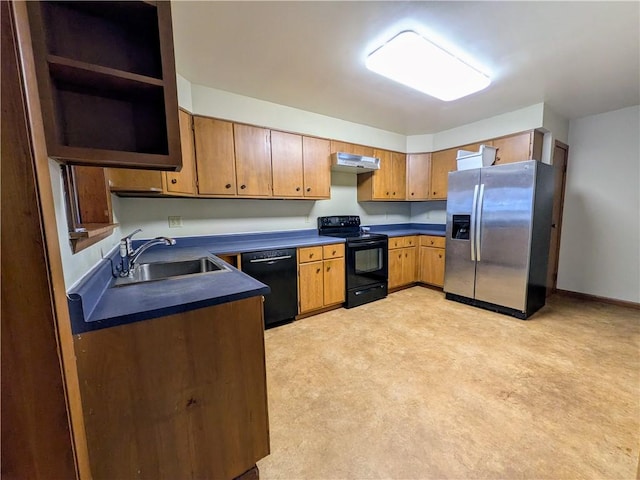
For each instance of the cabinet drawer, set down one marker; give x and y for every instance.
(432, 241)
(333, 251)
(411, 241)
(309, 254)
(396, 242)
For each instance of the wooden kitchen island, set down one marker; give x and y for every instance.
(181, 396)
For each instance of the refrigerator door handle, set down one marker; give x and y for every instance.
(473, 223)
(478, 229)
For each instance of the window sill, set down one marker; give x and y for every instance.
(91, 233)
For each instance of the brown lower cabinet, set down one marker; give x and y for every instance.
(403, 255)
(432, 260)
(321, 277)
(182, 396)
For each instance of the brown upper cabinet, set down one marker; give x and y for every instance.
(418, 176)
(517, 148)
(286, 164)
(253, 160)
(337, 146)
(215, 156)
(316, 167)
(387, 183)
(130, 182)
(442, 163)
(300, 165)
(107, 82)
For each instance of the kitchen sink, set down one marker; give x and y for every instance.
(150, 272)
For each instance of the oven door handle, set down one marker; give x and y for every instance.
(363, 244)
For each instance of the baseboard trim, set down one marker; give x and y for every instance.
(587, 296)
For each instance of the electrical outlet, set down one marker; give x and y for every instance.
(175, 221)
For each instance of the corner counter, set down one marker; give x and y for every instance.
(95, 304)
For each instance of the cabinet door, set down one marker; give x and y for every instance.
(382, 179)
(432, 266)
(515, 148)
(215, 156)
(418, 173)
(131, 181)
(442, 163)
(253, 160)
(316, 165)
(395, 267)
(334, 281)
(310, 286)
(398, 186)
(337, 146)
(286, 164)
(184, 180)
(409, 265)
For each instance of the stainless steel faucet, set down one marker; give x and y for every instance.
(128, 255)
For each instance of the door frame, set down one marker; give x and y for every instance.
(554, 256)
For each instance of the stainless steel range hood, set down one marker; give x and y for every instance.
(348, 162)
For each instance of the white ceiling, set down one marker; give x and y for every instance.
(579, 58)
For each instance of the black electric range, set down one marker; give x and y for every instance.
(366, 258)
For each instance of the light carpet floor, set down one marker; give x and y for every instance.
(418, 387)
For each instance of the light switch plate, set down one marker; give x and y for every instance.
(175, 221)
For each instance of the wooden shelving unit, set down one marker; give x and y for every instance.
(107, 82)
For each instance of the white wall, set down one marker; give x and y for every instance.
(600, 245)
(220, 216)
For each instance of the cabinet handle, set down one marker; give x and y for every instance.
(412, 194)
(243, 187)
(318, 270)
(297, 189)
(228, 185)
(439, 255)
(328, 268)
(308, 189)
(431, 242)
(311, 255)
(174, 181)
(387, 194)
(334, 252)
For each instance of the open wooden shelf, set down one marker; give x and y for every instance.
(92, 233)
(106, 76)
(101, 78)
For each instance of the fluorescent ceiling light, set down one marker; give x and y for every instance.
(412, 60)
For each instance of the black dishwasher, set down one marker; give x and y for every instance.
(278, 270)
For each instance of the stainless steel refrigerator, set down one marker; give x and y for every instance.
(497, 236)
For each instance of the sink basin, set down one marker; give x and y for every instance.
(149, 272)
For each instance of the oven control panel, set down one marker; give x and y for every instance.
(339, 221)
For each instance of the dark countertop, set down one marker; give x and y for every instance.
(94, 304)
(404, 229)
